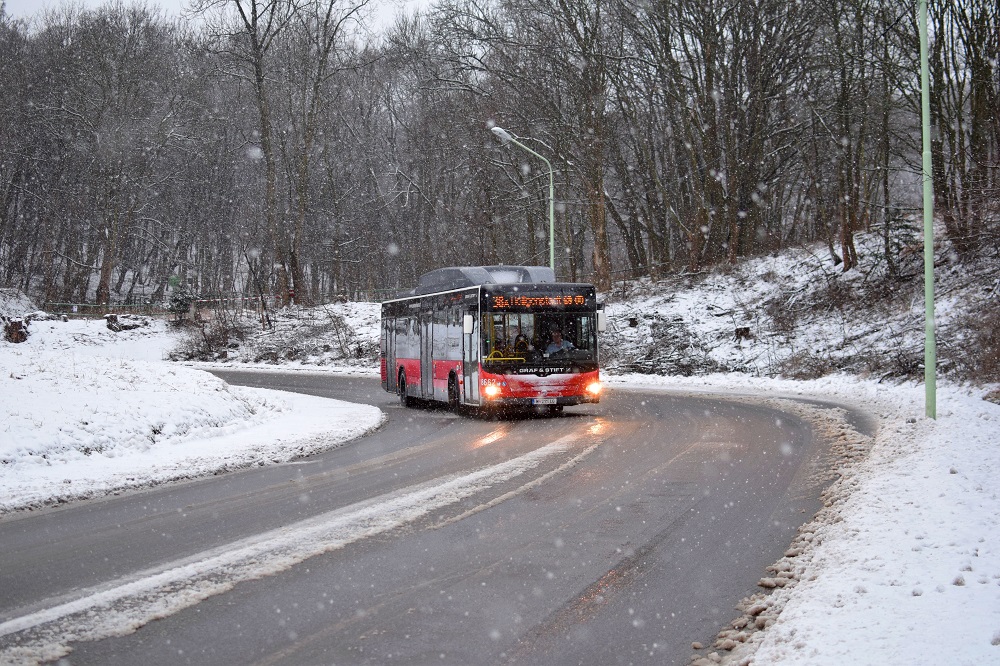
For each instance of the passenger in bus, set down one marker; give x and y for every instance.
(558, 344)
(521, 344)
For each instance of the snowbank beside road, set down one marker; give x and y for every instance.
(906, 569)
(86, 412)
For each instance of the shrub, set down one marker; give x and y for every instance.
(180, 302)
(977, 357)
(210, 341)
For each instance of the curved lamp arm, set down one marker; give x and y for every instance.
(507, 137)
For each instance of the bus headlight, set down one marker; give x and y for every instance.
(491, 390)
(594, 388)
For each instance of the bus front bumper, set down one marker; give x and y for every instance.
(561, 401)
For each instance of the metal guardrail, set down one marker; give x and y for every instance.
(95, 310)
(210, 302)
(215, 302)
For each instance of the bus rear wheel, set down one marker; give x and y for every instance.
(404, 400)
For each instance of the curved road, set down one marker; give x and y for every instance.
(613, 533)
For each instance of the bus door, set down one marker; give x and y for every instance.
(427, 354)
(389, 352)
(470, 359)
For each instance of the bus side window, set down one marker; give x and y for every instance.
(439, 334)
(586, 333)
(412, 338)
(454, 328)
(487, 333)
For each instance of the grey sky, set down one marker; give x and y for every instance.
(24, 9)
(28, 8)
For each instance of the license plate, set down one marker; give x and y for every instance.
(543, 401)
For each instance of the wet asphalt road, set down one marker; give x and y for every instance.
(658, 513)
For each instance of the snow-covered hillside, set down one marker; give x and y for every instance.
(798, 315)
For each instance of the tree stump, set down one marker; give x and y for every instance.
(15, 330)
(125, 322)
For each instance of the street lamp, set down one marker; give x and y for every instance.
(507, 137)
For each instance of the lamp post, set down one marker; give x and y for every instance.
(930, 345)
(507, 137)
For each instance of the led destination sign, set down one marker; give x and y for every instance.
(503, 302)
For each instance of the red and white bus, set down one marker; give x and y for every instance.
(489, 336)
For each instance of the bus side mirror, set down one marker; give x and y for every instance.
(602, 321)
(468, 324)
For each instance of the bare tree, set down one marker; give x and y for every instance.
(965, 98)
(317, 50)
(246, 32)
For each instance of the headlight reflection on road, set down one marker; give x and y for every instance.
(599, 427)
(486, 440)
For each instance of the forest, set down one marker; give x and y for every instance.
(288, 151)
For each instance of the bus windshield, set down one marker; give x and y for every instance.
(529, 337)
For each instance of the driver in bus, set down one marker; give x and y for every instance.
(558, 344)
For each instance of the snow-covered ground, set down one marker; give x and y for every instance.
(85, 411)
(902, 566)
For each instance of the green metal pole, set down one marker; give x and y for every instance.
(930, 352)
